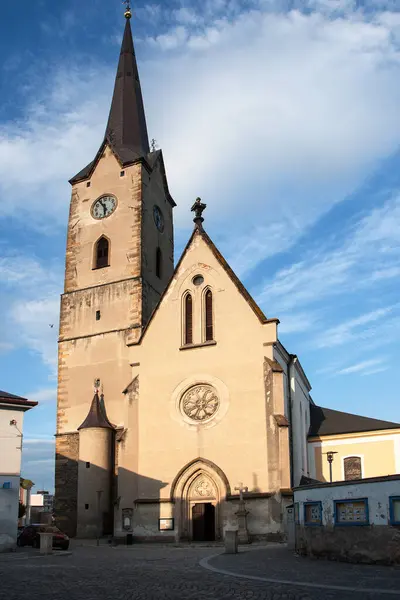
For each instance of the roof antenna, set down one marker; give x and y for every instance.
(128, 11)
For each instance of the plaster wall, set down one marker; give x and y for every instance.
(121, 228)
(264, 519)
(235, 439)
(10, 440)
(94, 476)
(378, 542)
(379, 452)
(9, 503)
(301, 424)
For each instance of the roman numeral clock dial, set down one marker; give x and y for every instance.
(103, 207)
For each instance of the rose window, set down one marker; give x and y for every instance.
(200, 403)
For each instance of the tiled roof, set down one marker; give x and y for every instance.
(12, 399)
(325, 421)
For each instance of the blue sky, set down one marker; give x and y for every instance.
(283, 116)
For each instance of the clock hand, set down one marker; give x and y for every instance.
(104, 207)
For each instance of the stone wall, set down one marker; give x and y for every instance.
(372, 544)
(66, 482)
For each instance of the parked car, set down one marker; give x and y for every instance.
(30, 536)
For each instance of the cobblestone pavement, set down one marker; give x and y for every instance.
(166, 573)
(278, 563)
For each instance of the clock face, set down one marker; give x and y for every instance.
(158, 218)
(104, 207)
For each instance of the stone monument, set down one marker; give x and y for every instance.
(243, 534)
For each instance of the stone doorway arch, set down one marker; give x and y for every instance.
(200, 481)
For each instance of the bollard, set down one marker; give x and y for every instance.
(231, 541)
(129, 539)
(46, 543)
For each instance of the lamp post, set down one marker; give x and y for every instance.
(329, 458)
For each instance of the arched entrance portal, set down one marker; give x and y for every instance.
(199, 492)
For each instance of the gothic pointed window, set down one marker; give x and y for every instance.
(158, 263)
(102, 252)
(188, 319)
(209, 316)
(352, 468)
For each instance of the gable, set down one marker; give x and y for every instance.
(201, 257)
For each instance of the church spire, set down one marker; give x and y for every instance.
(126, 129)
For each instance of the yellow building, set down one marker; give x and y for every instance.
(351, 446)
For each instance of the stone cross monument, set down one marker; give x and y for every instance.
(243, 534)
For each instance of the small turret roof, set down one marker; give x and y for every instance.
(97, 416)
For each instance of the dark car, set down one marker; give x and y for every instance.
(30, 536)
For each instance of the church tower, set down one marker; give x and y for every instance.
(119, 259)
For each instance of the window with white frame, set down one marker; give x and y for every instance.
(352, 468)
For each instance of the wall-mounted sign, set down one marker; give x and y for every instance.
(165, 524)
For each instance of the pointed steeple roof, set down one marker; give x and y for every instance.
(97, 416)
(126, 127)
(126, 130)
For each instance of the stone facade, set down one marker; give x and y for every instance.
(66, 488)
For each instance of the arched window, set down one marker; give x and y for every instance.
(188, 320)
(352, 468)
(158, 263)
(209, 316)
(102, 251)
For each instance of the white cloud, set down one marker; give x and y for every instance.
(33, 318)
(364, 366)
(352, 329)
(58, 136)
(370, 252)
(296, 322)
(272, 117)
(38, 461)
(31, 306)
(43, 395)
(24, 271)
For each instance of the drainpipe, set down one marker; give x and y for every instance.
(292, 361)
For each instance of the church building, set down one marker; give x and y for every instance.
(199, 417)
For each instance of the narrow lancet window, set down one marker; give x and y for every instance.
(209, 316)
(102, 251)
(188, 321)
(158, 263)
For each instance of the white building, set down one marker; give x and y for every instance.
(12, 409)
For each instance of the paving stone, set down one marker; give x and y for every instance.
(147, 573)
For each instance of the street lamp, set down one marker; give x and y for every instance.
(329, 458)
